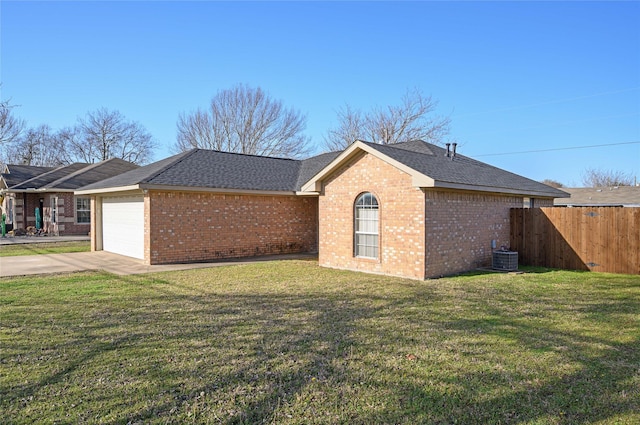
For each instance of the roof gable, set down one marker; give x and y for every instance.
(429, 166)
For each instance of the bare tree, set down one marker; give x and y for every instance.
(412, 119)
(104, 134)
(552, 183)
(37, 146)
(244, 120)
(10, 126)
(351, 127)
(74, 148)
(606, 178)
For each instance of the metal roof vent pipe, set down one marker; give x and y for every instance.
(453, 154)
(448, 154)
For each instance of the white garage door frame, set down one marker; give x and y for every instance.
(123, 225)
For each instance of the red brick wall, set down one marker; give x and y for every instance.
(460, 227)
(188, 226)
(401, 215)
(66, 216)
(28, 211)
(66, 213)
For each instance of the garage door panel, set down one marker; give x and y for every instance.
(123, 225)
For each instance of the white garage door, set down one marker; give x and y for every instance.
(123, 225)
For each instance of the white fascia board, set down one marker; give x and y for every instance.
(420, 180)
(491, 189)
(53, 189)
(133, 187)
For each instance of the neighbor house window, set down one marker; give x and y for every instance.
(54, 210)
(366, 226)
(83, 210)
(9, 211)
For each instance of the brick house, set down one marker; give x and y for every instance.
(614, 196)
(411, 209)
(46, 193)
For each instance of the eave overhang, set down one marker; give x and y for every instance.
(37, 190)
(168, 188)
(493, 189)
(129, 188)
(419, 180)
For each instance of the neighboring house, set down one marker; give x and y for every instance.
(616, 196)
(49, 190)
(411, 209)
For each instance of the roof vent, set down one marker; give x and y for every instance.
(448, 154)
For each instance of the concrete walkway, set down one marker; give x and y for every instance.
(107, 261)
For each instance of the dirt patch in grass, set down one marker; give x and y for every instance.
(289, 342)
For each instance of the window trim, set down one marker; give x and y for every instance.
(10, 210)
(356, 233)
(88, 210)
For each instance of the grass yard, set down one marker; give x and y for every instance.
(291, 343)
(44, 248)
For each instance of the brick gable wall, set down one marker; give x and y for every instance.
(401, 216)
(189, 226)
(460, 227)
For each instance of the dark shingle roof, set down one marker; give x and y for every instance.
(201, 168)
(461, 170)
(47, 178)
(213, 169)
(312, 166)
(72, 176)
(138, 175)
(19, 173)
(223, 170)
(93, 173)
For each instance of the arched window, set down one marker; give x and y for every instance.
(366, 226)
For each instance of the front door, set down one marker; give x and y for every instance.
(40, 215)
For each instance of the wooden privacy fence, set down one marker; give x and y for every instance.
(603, 239)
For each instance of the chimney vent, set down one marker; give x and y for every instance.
(448, 152)
(453, 155)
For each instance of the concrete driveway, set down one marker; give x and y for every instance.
(112, 263)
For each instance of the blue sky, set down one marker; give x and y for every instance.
(513, 76)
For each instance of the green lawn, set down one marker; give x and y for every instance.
(291, 343)
(44, 248)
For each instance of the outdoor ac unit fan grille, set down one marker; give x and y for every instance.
(505, 260)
